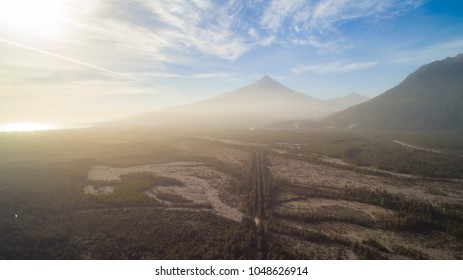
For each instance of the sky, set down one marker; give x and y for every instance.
(81, 61)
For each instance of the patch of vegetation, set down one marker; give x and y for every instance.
(308, 235)
(412, 215)
(374, 149)
(175, 198)
(367, 252)
(37, 199)
(375, 244)
(153, 234)
(130, 190)
(314, 217)
(410, 252)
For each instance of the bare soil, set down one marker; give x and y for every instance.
(334, 208)
(309, 174)
(89, 189)
(311, 250)
(202, 184)
(355, 221)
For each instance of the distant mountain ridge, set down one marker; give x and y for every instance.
(264, 88)
(257, 104)
(346, 101)
(428, 99)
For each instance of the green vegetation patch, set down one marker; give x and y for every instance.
(130, 190)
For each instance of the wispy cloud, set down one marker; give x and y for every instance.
(278, 12)
(330, 45)
(121, 38)
(334, 67)
(206, 27)
(174, 32)
(428, 53)
(328, 14)
(164, 31)
(85, 64)
(220, 75)
(317, 23)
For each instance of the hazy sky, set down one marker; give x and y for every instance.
(72, 61)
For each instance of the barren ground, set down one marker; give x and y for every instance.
(341, 219)
(309, 174)
(202, 184)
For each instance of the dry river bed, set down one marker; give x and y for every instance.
(202, 184)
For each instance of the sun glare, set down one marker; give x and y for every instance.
(13, 127)
(37, 17)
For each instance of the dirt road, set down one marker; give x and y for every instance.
(259, 204)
